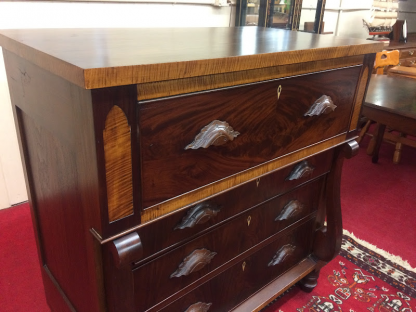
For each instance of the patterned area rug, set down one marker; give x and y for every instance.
(361, 278)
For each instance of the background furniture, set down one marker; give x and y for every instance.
(403, 71)
(407, 50)
(390, 102)
(181, 169)
(383, 59)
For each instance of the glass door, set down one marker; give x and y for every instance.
(284, 14)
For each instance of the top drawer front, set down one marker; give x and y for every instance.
(268, 127)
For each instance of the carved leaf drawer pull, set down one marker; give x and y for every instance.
(323, 105)
(199, 214)
(198, 259)
(216, 133)
(303, 169)
(282, 254)
(291, 209)
(199, 307)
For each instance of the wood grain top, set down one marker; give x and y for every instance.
(392, 94)
(96, 58)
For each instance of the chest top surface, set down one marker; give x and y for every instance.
(97, 58)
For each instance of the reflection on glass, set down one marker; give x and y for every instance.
(308, 15)
(281, 14)
(304, 15)
(252, 18)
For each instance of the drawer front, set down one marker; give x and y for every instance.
(187, 264)
(185, 224)
(228, 289)
(267, 128)
(406, 53)
(410, 62)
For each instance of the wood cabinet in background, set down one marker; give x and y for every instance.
(184, 169)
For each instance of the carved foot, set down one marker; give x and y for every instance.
(309, 282)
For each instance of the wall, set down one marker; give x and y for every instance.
(407, 11)
(37, 14)
(345, 17)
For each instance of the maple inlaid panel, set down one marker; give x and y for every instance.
(117, 152)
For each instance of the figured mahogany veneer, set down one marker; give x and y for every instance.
(257, 273)
(172, 229)
(253, 226)
(268, 127)
(183, 169)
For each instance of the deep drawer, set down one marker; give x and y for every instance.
(268, 127)
(185, 224)
(185, 265)
(228, 289)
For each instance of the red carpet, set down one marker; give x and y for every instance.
(357, 280)
(378, 206)
(21, 288)
(379, 200)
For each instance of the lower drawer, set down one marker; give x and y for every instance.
(187, 264)
(249, 275)
(170, 231)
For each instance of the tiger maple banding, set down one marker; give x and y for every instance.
(359, 99)
(117, 151)
(130, 56)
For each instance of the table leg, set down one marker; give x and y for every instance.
(372, 144)
(398, 150)
(379, 139)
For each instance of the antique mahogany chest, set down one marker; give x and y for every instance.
(184, 169)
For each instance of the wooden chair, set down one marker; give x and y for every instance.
(383, 59)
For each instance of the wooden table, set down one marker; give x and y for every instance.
(391, 102)
(403, 71)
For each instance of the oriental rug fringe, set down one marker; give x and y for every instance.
(362, 278)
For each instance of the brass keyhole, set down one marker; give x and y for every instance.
(258, 182)
(248, 220)
(279, 90)
(243, 266)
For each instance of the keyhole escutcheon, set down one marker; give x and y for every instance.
(279, 90)
(243, 266)
(248, 220)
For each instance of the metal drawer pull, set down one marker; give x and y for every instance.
(291, 209)
(216, 133)
(411, 52)
(248, 220)
(199, 307)
(243, 266)
(302, 169)
(282, 254)
(195, 261)
(198, 214)
(323, 105)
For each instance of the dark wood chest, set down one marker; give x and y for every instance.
(184, 169)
